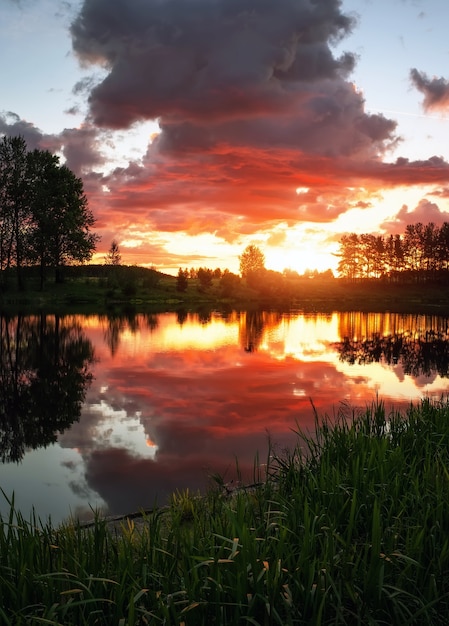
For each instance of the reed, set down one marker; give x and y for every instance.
(349, 527)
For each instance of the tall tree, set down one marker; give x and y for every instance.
(252, 260)
(42, 171)
(443, 247)
(14, 206)
(44, 215)
(350, 256)
(62, 220)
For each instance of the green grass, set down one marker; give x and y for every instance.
(132, 289)
(350, 527)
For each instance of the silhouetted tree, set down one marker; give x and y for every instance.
(182, 280)
(43, 209)
(113, 256)
(350, 256)
(63, 219)
(205, 277)
(252, 260)
(443, 247)
(14, 203)
(421, 253)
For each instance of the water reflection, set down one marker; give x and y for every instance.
(178, 396)
(117, 324)
(44, 372)
(419, 343)
(253, 326)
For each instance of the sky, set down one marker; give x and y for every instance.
(199, 127)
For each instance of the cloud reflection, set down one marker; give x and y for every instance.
(203, 404)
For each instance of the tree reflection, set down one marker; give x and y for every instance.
(117, 324)
(44, 373)
(419, 353)
(252, 327)
(181, 316)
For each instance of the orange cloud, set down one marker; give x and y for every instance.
(251, 104)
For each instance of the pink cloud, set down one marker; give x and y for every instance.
(424, 212)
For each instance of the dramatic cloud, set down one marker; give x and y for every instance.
(435, 90)
(201, 60)
(252, 103)
(424, 212)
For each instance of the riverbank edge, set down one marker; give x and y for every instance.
(89, 297)
(351, 525)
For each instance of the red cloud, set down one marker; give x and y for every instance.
(251, 105)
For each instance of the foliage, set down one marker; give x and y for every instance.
(349, 527)
(182, 280)
(14, 207)
(421, 253)
(44, 215)
(229, 284)
(252, 260)
(205, 277)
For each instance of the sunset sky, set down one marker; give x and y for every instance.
(202, 126)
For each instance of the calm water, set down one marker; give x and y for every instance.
(117, 413)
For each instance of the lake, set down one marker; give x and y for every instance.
(115, 413)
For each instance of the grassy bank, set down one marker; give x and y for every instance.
(350, 527)
(137, 289)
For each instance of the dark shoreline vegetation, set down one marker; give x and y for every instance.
(349, 527)
(131, 289)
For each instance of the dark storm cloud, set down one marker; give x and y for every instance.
(206, 59)
(435, 90)
(251, 103)
(330, 122)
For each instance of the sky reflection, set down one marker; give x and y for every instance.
(171, 404)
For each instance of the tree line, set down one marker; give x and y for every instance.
(420, 254)
(252, 269)
(44, 215)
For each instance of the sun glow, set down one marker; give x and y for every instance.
(299, 260)
(300, 247)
